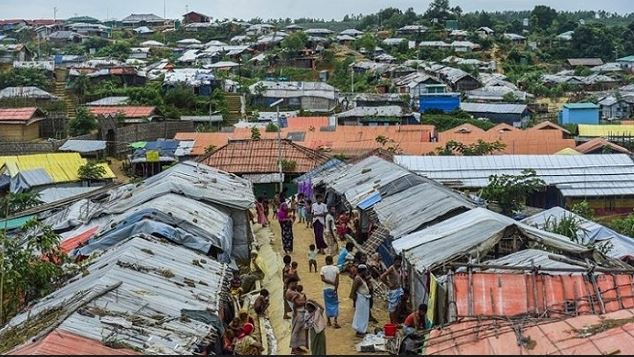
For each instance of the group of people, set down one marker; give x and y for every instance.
(309, 318)
(308, 321)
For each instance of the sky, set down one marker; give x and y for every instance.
(266, 9)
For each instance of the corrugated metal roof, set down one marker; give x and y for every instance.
(360, 180)
(295, 89)
(83, 146)
(158, 280)
(589, 231)
(573, 175)
(582, 335)
(528, 258)
(109, 101)
(53, 194)
(324, 169)
(383, 111)
(136, 18)
(195, 180)
(605, 130)
(26, 92)
(493, 108)
(412, 208)
(463, 235)
(61, 167)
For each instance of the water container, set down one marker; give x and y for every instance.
(389, 330)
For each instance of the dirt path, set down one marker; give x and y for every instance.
(339, 341)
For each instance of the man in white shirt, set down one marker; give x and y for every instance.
(330, 278)
(320, 210)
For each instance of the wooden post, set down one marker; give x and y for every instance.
(470, 290)
(451, 314)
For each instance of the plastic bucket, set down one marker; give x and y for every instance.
(389, 330)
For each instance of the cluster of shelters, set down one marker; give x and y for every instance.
(469, 263)
(40, 171)
(159, 256)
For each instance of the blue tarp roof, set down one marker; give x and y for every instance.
(370, 201)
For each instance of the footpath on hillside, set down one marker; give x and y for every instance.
(339, 341)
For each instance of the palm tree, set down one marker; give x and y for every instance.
(81, 86)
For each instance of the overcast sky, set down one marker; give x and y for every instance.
(265, 9)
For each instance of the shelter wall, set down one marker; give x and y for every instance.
(19, 132)
(605, 206)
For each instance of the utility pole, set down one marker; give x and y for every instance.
(54, 14)
(279, 140)
(351, 79)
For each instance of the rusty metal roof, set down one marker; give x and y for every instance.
(60, 342)
(261, 156)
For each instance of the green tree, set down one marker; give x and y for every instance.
(83, 123)
(180, 97)
(272, 128)
(17, 77)
(14, 202)
(479, 148)
(80, 86)
(294, 43)
(511, 191)
(255, 133)
(583, 209)
(366, 41)
(571, 227)
(91, 171)
(543, 16)
(438, 9)
(25, 276)
(509, 97)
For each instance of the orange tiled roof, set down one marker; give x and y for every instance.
(261, 156)
(581, 335)
(548, 125)
(348, 140)
(598, 144)
(127, 111)
(307, 122)
(519, 142)
(60, 342)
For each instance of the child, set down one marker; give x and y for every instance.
(309, 213)
(293, 271)
(300, 290)
(312, 258)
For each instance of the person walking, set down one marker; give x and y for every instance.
(301, 208)
(360, 292)
(319, 211)
(331, 240)
(285, 278)
(261, 215)
(315, 322)
(284, 216)
(330, 277)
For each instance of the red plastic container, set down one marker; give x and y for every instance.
(389, 330)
